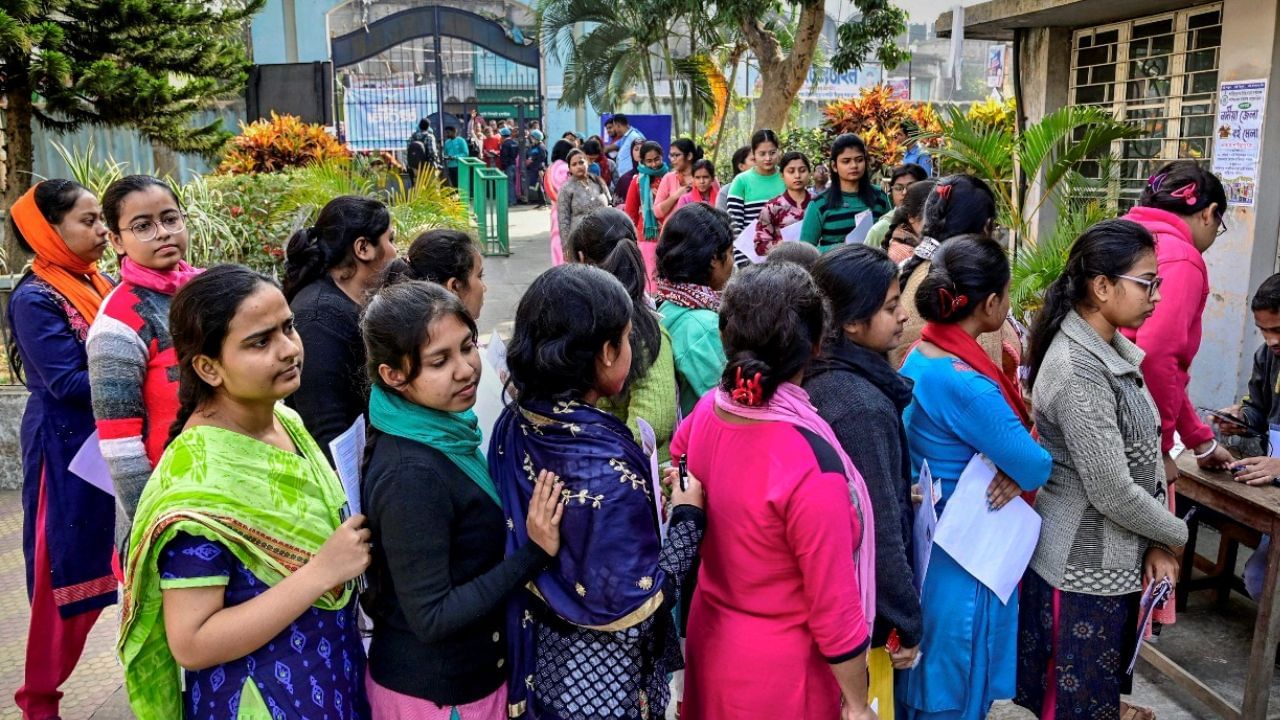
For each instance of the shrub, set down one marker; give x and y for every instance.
(282, 142)
(875, 116)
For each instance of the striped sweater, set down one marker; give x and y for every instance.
(133, 378)
(827, 227)
(748, 194)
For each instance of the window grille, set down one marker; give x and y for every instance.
(1159, 73)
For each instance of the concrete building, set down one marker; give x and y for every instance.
(1170, 66)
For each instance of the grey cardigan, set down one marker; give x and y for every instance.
(1105, 501)
(578, 198)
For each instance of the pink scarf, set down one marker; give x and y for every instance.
(165, 282)
(790, 404)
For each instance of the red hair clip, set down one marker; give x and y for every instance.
(1187, 193)
(950, 303)
(748, 392)
(943, 191)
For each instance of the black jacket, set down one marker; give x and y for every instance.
(1260, 408)
(862, 397)
(438, 583)
(334, 390)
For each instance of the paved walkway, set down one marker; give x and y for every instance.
(1212, 643)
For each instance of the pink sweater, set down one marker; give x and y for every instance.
(778, 598)
(1171, 336)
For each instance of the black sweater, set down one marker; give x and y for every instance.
(860, 395)
(334, 391)
(438, 582)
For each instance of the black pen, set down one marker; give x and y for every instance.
(684, 473)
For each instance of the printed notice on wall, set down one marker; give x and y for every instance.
(1237, 139)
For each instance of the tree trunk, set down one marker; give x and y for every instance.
(671, 86)
(735, 57)
(17, 176)
(648, 78)
(782, 76)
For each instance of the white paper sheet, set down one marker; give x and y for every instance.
(791, 233)
(993, 545)
(649, 443)
(926, 524)
(746, 243)
(348, 453)
(491, 397)
(91, 467)
(862, 228)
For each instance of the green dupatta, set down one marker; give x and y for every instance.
(270, 508)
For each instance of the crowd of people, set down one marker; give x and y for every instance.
(787, 403)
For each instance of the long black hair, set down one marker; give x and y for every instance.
(54, 199)
(560, 151)
(958, 205)
(396, 324)
(199, 319)
(739, 156)
(691, 239)
(866, 189)
(912, 203)
(436, 256)
(606, 238)
(552, 353)
(113, 197)
(1109, 248)
(330, 243)
(762, 136)
(771, 323)
(1184, 187)
(689, 148)
(965, 272)
(855, 280)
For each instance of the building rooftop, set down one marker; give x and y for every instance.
(997, 19)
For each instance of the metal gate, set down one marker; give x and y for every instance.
(435, 62)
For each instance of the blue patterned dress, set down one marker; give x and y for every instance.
(313, 669)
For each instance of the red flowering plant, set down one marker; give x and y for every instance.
(875, 116)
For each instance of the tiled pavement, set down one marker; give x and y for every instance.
(1213, 643)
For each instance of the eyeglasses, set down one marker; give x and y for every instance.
(146, 230)
(899, 187)
(1152, 285)
(1222, 226)
(767, 153)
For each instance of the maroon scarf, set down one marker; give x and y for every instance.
(689, 295)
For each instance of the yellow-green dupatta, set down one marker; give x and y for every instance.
(270, 508)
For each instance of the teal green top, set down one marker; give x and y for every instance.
(652, 398)
(828, 229)
(455, 148)
(695, 344)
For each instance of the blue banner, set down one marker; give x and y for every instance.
(384, 118)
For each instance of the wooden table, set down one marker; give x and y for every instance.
(1257, 508)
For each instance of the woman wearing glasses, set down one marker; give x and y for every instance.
(1106, 528)
(132, 367)
(1182, 206)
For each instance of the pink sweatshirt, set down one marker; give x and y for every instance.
(1171, 336)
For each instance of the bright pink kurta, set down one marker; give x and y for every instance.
(554, 179)
(777, 596)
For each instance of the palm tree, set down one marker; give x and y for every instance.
(613, 56)
(621, 45)
(1049, 153)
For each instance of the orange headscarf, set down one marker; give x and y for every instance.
(55, 263)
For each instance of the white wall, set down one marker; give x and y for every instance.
(1246, 255)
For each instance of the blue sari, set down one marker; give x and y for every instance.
(606, 577)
